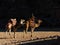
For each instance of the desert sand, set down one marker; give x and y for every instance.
(6, 39)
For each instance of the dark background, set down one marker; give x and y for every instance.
(46, 10)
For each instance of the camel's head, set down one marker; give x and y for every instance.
(14, 21)
(39, 22)
(22, 21)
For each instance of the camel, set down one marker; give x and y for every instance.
(28, 24)
(32, 24)
(8, 27)
(11, 24)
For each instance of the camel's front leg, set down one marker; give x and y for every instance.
(26, 30)
(15, 32)
(10, 33)
(27, 26)
(6, 33)
(32, 30)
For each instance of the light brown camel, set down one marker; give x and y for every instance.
(32, 24)
(11, 24)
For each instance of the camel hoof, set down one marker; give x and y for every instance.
(31, 38)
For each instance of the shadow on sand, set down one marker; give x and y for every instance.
(45, 42)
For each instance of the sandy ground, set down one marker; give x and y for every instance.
(6, 39)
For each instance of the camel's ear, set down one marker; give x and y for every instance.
(11, 19)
